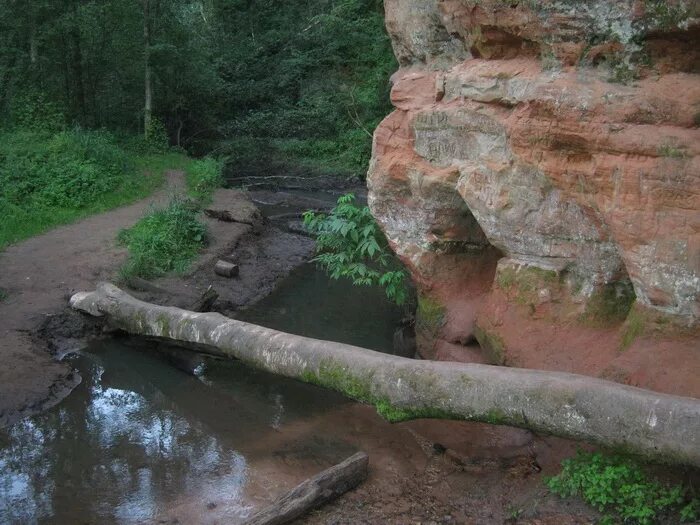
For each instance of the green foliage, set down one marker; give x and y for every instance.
(296, 76)
(47, 180)
(203, 177)
(69, 169)
(33, 111)
(351, 245)
(165, 240)
(620, 488)
(311, 81)
(3, 295)
(157, 141)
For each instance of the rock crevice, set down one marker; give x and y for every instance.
(557, 137)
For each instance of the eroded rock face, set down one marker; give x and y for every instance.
(558, 137)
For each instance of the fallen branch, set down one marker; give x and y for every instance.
(314, 492)
(205, 301)
(654, 425)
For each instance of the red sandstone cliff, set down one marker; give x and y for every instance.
(540, 178)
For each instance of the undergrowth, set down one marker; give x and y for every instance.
(48, 179)
(623, 491)
(165, 240)
(203, 177)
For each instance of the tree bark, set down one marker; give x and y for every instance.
(657, 426)
(148, 82)
(77, 67)
(314, 492)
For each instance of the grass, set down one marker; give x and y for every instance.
(623, 490)
(163, 241)
(49, 180)
(203, 177)
(170, 238)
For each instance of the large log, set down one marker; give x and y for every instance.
(654, 425)
(314, 492)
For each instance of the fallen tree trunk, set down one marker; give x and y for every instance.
(314, 492)
(654, 425)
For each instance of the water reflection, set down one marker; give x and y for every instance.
(116, 450)
(309, 303)
(139, 438)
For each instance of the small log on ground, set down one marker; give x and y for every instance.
(314, 492)
(226, 269)
(658, 426)
(205, 301)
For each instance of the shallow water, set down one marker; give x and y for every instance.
(309, 303)
(140, 441)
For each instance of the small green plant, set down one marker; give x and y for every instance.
(3, 295)
(671, 151)
(350, 244)
(203, 177)
(619, 487)
(163, 241)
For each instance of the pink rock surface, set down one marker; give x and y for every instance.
(542, 162)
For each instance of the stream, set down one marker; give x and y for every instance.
(139, 441)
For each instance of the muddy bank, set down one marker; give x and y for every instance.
(39, 275)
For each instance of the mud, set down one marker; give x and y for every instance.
(40, 274)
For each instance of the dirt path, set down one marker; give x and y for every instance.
(38, 274)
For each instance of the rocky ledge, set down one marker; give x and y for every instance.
(540, 177)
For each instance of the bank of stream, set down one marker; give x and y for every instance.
(140, 441)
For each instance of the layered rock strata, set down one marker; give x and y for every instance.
(540, 178)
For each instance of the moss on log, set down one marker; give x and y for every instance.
(656, 426)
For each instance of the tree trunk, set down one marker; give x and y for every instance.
(148, 83)
(314, 492)
(77, 68)
(654, 425)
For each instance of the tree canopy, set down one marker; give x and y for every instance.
(269, 82)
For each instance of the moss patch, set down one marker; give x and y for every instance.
(430, 315)
(360, 388)
(523, 283)
(634, 327)
(491, 343)
(610, 305)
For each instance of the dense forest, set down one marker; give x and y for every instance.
(298, 84)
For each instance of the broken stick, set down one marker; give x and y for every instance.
(314, 492)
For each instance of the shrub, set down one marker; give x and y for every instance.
(165, 240)
(69, 170)
(620, 488)
(351, 245)
(203, 177)
(33, 111)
